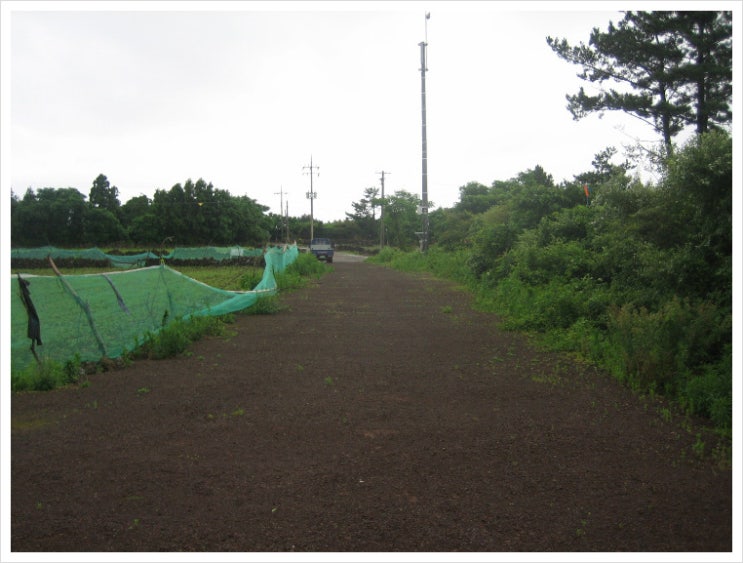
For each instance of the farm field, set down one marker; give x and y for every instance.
(376, 412)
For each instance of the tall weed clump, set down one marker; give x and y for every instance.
(175, 337)
(46, 375)
(386, 255)
(296, 274)
(683, 350)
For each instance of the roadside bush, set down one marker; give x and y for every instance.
(385, 256)
(709, 394)
(660, 350)
(450, 265)
(268, 305)
(305, 267)
(46, 375)
(490, 244)
(557, 304)
(175, 337)
(567, 261)
(308, 266)
(38, 377)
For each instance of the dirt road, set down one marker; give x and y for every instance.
(379, 412)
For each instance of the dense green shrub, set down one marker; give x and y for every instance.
(709, 393)
(385, 256)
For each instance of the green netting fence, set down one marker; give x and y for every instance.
(216, 253)
(212, 252)
(92, 316)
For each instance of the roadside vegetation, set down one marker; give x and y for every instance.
(637, 278)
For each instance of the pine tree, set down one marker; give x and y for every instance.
(670, 69)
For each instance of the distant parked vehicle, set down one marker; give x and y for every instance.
(323, 248)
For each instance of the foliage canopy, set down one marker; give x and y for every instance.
(671, 69)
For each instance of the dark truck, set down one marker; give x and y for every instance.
(322, 248)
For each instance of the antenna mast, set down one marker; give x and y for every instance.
(424, 157)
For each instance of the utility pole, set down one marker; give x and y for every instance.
(381, 213)
(424, 158)
(311, 195)
(286, 221)
(281, 208)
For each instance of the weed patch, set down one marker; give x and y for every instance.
(305, 268)
(175, 337)
(269, 305)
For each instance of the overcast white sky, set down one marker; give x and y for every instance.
(243, 95)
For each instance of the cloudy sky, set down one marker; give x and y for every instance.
(245, 95)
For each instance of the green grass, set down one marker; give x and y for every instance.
(305, 268)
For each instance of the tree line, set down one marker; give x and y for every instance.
(194, 213)
(188, 214)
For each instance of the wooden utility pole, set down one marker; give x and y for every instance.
(311, 195)
(281, 211)
(286, 221)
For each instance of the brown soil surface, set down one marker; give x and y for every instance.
(379, 412)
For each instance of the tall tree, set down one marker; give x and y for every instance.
(364, 214)
(140, 221)
(401, 218)
(603, 169)
(475, 197)
(707, 43)
(671, 69)
(367, 205)
(104, 195)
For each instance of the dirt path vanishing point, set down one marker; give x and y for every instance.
(379, 412)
